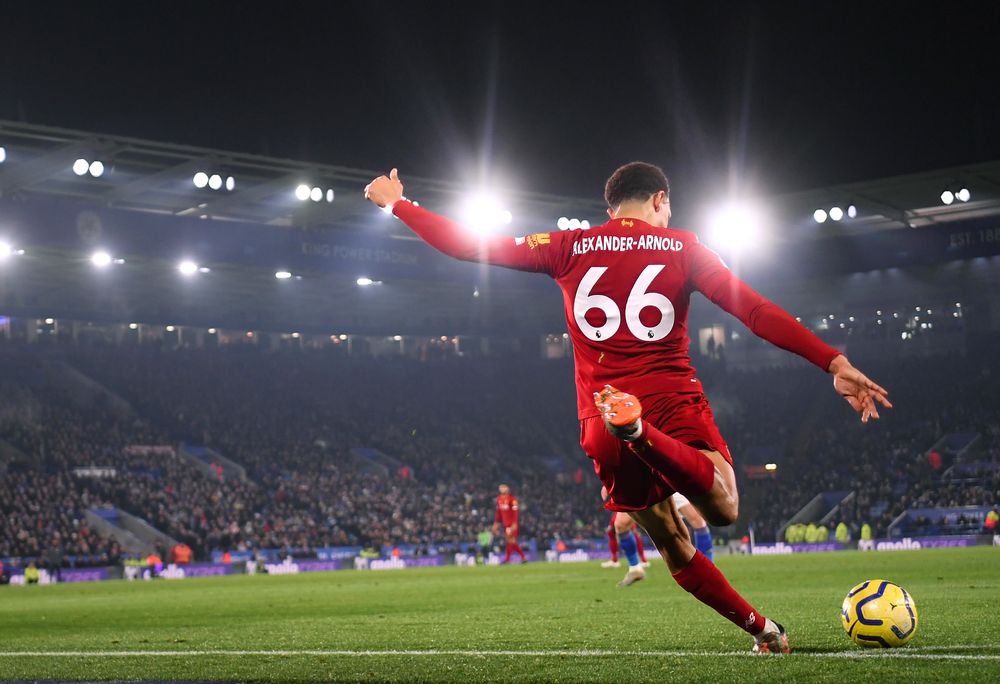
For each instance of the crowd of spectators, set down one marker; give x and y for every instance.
(450, 430)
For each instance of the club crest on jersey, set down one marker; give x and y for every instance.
(538, 239)
(627, 223)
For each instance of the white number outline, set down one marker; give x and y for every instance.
(638, 299)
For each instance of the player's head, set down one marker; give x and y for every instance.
(504, 489)
(639, 184)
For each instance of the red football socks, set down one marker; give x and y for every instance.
(689, 471)
(639, 547)
(514, 547)
(613, 544)
(704, 580)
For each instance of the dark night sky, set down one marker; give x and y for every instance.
(544, 95)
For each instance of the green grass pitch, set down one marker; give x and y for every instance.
(461, 624)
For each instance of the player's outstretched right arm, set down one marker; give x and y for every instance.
(456, 241)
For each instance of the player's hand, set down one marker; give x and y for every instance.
(857, 389)
(496, 529)
(385, 191)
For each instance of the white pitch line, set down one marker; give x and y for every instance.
(901, 654)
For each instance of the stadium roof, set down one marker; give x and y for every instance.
(149, 176)
(157, 177)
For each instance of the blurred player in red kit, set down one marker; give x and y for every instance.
(508, 511)
(627, 286)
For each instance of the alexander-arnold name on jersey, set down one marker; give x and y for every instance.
(615, 243)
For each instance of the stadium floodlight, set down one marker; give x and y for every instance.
(819, 216)
(330, 195)
(562, 223)
(212, 331)
(397, 338)
(365, 282)
(343, 338)
(133, 326)
(947, 197)
(735, 225)
(200, 179)
(230, 183)
(964, 195)
(316, 194)
(5, 250)
(3, 154)
(96, 169)
(836, 213)
(215, 181)
(204, 269)
(302, 192)
(187, 268)
(584, 224)
(101, 259)
(852, 211)
(171, 328)
(771, 466)
(574, 224)
(483, 212)
(282, 275)
(296, 335)
(49, 321)
(81, 166)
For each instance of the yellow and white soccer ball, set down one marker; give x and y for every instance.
(880, 614)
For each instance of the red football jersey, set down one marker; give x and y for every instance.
(507, 510)
(627, 287)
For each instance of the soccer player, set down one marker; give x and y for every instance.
(627, 286)
(507, 513)
(622, 533)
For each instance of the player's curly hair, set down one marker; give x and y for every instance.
(635, 181)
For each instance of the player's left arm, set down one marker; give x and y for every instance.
(710, 276)
(451, 238)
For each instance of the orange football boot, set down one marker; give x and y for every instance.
(621, 411)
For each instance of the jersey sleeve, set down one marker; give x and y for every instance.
(534, 253)
(710, 276)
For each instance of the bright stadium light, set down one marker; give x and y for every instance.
(133, 326)
(230, 183)
(562, 223)
(5, 250)
(852, 211)
(204, 269)
(81, 166)
(96, 169)
(296, 335)
(483, 212)
(947, 197)
(282, 275)
(171, 328)
(771, 466)
(187, 268)
(964, 195)
(316, 194)
(836, 213)
(212, 331)
(302, 192)
(735, 225)
(200, 179)
(584, 224)
(343, 338)
(819, 216)
(330, 195)
(574, 224)
(3, 154)
(365, 282)
(215, 181)
(100, 259)
(397, 338)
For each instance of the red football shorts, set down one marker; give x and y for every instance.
(632, 485)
